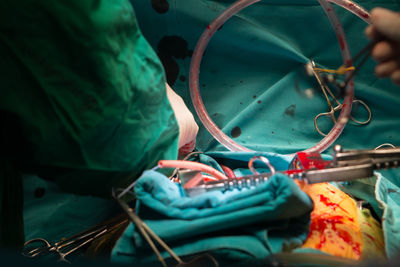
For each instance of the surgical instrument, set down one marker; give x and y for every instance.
(40, 247)
(149, 235)
(311, 168)
(145, 231)
(332, 110)
(364, 54)
(213, 27)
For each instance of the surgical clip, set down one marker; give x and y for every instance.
(333, 109)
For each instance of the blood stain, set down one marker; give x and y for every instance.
(173, 45)
(341, 42)
(170, 47)
(370, 237)
(365, 15)
(236, 132)
(290, 110)
(328, 203)
(171, 68)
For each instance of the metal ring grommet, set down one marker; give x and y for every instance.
(262, 159)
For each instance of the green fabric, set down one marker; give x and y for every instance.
(257, 221)
(87, 94)
(388, 194)
(61, 214)
(254, 86)
(93, 90)
(252, 78)
(252, 74)
(226, 249)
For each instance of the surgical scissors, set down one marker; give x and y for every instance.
(40, 247)
(363, 55)
(333, 109)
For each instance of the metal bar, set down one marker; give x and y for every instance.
(339, 174)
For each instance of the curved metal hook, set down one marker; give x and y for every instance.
(330, 114)
(262, 159)
(384, 145)
(366, 108)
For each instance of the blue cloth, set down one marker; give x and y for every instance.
(257, 221)
(387, 193)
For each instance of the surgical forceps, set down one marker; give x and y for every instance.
(363, 55)
(333, 109)
(40, 247)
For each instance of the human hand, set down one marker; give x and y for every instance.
(385, 30)
(187, 125)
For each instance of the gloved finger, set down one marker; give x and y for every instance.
(385, 69)
(387, 23)
(396, 77)
(370, 32)
(384, 51)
